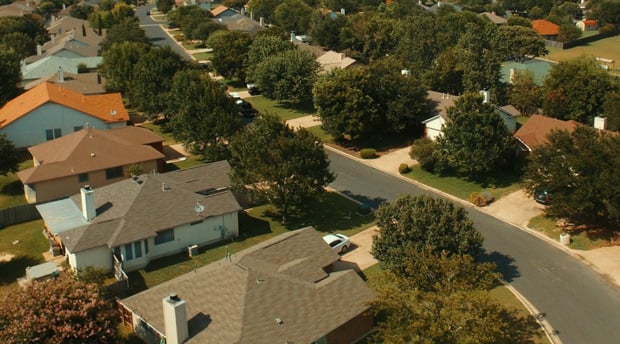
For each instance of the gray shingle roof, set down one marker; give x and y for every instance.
(132, 210)
(242, 298)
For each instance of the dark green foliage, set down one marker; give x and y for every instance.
(368, 153)
(230, 50)
(403, 168)
(118, 64)
(611, 109)
(423, 151)
(81, 11)
(524, 93)
(293, 15)
(580, 172)
(194, 21)
(272, 162)
(419, 223)
(519, 43)
(20, 43)
(164, 6)
(576, 90)
(202, 116)
(127, 30)
(10, 75)
(262, 48)
(325, 30)
(29, 24)
(9, 158)
(569, 32)
(82, 68)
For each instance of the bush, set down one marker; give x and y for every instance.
(403, 168)
(422, 151)
(607, 28)
(82, 68)
(477, 199)
(368, 153)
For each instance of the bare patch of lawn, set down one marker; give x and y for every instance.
(582, 237)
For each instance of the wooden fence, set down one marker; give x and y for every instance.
(580, 41)
(18, 214)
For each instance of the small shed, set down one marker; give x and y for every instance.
(41, 271)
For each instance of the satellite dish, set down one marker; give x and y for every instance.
(199, 208)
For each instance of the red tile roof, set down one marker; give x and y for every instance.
(545, 27)
(106, 107)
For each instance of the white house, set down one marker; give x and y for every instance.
(433, 126)
(125, 225)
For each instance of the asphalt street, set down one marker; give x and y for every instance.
(579, 304)
(156, 33)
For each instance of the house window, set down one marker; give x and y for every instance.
(83, 177)
(51, 134)
(128, 252)
(78, 128)
(114, 172)
(146, 247)
(164, 236)
(137, 248)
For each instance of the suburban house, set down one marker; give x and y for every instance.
(587, 25)
(83, 83)
(49, 111)
(534, 131)
(546, 29)
(222, 11)
(125, 225)
(17, 9)
(89, 157)
(285, 290)
(239, 22)
(331, 60)
(494, 18)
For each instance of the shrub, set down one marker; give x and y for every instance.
(82, 68)
(368, 153)
(179, 37)
(403, 168)
(422, 151)
(477, 199)
(607, 28)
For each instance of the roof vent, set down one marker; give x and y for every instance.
(92, 155)
(279, 321)
(199, 208)
(164, 187)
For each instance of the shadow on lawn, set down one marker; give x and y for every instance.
(14, 188)
(15, 268)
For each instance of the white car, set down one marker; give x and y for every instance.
(338, 242)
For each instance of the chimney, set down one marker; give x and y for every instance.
(293, 36)
(600, 122)
(175, 319)
(486, 96)
(261, 21)
(61, 74)
(342, 10)
(88, 202)
(39, 50)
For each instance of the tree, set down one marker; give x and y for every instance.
(263, 47)
(576, 90)
(516, 20)
(524, 93)
(127, 30)
(480, 57)
(118, 64)
(57, 311)
(150, 80)
(293, 15)
(10, 74)
(21, 43)
(519, 43)
(9, 158)
(579, 171)
(202, 115)
(444, 299)
(288, 75)
(568, 32)
(475, 141)
(611, 107)
(418, 223)
(230, 49)
(164, 6)
(605, 11)
(274, 163)
(30, 24)
(325, 30)
(81, 11)
(263, 8)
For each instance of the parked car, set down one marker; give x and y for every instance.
(253, 89)
(542, 196)
(338, 242)
(245, 109)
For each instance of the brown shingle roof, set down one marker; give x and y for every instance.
(106, 107)
(242, 299)
(84, 83)
(442, 102)
(90, 150)
(535, 130)
(132, 210)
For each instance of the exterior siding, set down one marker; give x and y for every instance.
(70, 185)
(352, 330)
(99, 257)
(434, 128)
(29, 130)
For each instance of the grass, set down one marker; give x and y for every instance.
(12, 189)
(321, 134)
(608, 48)
(203, 56)
(582, 238)
(285, 111)
(463, 189)
(30, 243)
(334, 213)
(160, 130)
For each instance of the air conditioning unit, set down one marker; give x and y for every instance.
(192, 250)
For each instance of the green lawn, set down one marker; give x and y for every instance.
(321, 134)
(159, 130)
(462, 188)
(581, 239)
(608, 48)
(12, 189)
(333, 213)
(25, 242)
(203, 56)
(285, 111)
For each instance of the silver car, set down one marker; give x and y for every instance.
(338, 242)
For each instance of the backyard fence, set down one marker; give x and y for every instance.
(18, 214)
(580, 41)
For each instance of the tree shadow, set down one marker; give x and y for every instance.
(305, 107)
(14, 188)
(504, 265)
(15, 268)
(251, 227)
(136, 282)
(373, 203)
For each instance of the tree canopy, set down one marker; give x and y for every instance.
(10, 74)
(118, 64)
(579, 172)
(419, 223)
(274, 163)
(202, 115)
(230, 50)
(9, 159)
(293, 15)
(126, 30)
(60, 311)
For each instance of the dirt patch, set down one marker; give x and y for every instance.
(6, 257)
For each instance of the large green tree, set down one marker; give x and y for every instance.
(475, 142)
(576, 90)
(274, 163)
(480, 57)
(9, 158)
(263, 47)
(444, 299)
(118, 63)
(150, 80)
(230, 51)
(293, 15)
(420, 223)
(579, 171)
(57, 312)
(611, 109)
(20, 43)
(10, 75)
(287, 76)
(202, 115)
(520, 42)
(126, 30)
(524, 94)
(30, 24)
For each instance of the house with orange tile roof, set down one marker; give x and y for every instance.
(49, 111)
(587, 25)
(546, 29)
(89, 156)
(537, 128)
